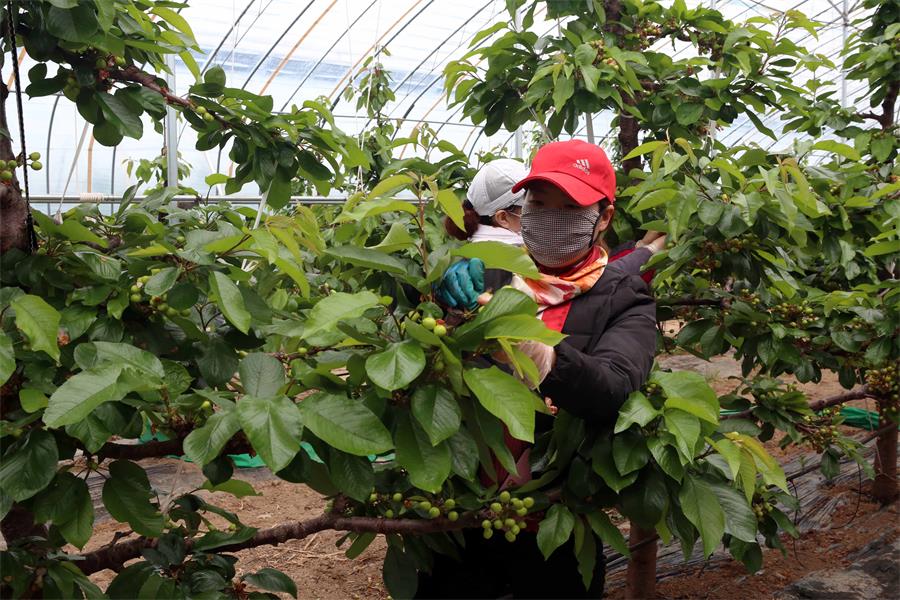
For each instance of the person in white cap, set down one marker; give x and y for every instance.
(492, 211)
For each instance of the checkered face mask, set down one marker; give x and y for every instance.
(557, 237)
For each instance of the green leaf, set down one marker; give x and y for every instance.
(608, 532)
(630, 452)
(637, 409)
(368, 258)
(881, 147)
(7, 358)
(497, 255)
(881, 248)
(689, 392)
(205, 443)
(646, 148)
(29, 465)
(399, 573)
(345, 424)
(603, 465)
(67, 503)
(555, 529)
(77, 24)
(173, 18)
(230, 301)
(321, 326)
(235, 487)
(32, 400)
(396, 367)
(522, 327)
(586, 555)
(463, 454)
(353, 475)
(262, 375)
(120, 115)
(506, 398)
(359, 545)
(273, 426)
(162, 282)
(437, 411)
(701, 507)
(74, 400)
(686, 429)
(272, 581)
(428, 466)
(452, 207)
(687, 114)
(655, 198)
(838, 148)
(390, 185)
(127, 494)
(740, 521)
(38, 321)
(126, 356)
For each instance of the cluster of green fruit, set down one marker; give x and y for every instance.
(401, 504)
(761, 509)
(602, 58)
(884, 382)
(205, 114)
(794, 315)
(504, 515)
(750, 297)
(646, 33)
(7, 167)
(821, 430)
(437, 326)
(158, 303)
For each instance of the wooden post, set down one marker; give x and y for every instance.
(641, 580)
(884, 487)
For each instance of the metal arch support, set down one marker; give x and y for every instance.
(215, 52)
(362, 57)
(434, 51)
(49, 137)
(265, 56)
(327, 52)
(288, 56)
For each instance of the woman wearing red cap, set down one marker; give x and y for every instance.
(609, 318)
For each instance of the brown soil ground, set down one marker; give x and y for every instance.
(321, 570)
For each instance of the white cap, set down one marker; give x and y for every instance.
(491, 188)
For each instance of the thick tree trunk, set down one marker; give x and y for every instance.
(884, 488)
(641, 579)
(13, 209)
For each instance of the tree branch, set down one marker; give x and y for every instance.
(115, 556)
(720, 302)
(857, 394)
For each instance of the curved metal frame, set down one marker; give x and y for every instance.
(265, 56)
(362, 57)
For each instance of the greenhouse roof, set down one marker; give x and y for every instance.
(295, 50)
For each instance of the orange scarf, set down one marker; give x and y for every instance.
(553, 290)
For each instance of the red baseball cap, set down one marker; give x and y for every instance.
(578, 168)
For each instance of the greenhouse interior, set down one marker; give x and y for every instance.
(430, 299)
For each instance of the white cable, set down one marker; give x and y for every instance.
(72, 168)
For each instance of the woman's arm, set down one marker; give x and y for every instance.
(593, 385)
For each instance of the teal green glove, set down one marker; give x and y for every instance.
(462, 284)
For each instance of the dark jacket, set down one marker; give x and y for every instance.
(610, 343)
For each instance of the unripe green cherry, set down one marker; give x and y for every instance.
(434, 512)
(498, 524)
(373, 498)
(389, 514)
(425, 505)
(185, 313)
(385, 300)
(449, 503)
(515, 529)
(135, 289)
(100, 64)
(440, 330)
(496, 507)
(398, 497)
(488, 534)
(36, 165)
(135, 297)
(522, 511)
(522, 524)
(207, 405)
(6, 175)
(509, 522)
(528, 502)
(35, 156)
(486, 524)
(517, 503)
(510, 536)
(429, 323)
(504, 496)
(208, 118)
(453, 515)
(302, 351)
(120, 61)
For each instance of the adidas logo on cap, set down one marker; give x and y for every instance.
(583, 165)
